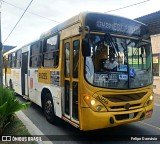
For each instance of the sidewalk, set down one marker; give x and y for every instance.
(33, 130)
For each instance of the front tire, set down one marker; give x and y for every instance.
(49, 109)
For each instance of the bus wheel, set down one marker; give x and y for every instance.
(49, 108)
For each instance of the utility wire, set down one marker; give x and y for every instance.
(127, 6)
(30, 12)
(18, 22)
(54, 20)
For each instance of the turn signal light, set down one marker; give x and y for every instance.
(87, 97)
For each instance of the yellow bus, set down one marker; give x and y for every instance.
(93, 71)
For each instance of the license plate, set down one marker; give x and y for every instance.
(131, 115)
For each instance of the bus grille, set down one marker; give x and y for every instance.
(122, 106)
(120, 102)
(125, 97)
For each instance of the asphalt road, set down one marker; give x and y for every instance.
(66, 133)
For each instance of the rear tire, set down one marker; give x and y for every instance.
(49, 109)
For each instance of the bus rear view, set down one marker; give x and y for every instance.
(117, 72)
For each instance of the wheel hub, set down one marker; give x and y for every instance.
(48, 107)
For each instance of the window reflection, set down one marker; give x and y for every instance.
(67, 60)
(51, 52)
(75, 58)
(117, 62)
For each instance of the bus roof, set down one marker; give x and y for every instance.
(97, 22)
(12, 50)
(19, 47)
(62, 26)
(93, 19)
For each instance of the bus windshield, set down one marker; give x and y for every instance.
(118, 62)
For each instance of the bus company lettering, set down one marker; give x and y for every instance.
(42, 75)
(119, 27)
(102, 99)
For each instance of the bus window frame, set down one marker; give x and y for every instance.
(13, 62)
(9, 61)
(120, 36)
(40, 54)
(44, 46)
(20, 58)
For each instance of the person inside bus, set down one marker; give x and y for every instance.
(110, 64)
(101, 54)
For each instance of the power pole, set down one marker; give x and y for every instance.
(1, 53)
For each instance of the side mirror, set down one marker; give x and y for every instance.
(86, 51)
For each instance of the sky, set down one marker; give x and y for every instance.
(53, 12)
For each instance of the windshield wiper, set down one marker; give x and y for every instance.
(111, 43)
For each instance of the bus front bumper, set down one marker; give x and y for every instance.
(91, 120)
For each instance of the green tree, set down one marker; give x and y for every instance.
(9, 104)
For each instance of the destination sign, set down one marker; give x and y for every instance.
(115, 25)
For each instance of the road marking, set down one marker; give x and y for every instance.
(156, 104)
(149, 125)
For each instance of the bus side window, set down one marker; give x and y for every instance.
(4, 62)
(14, 59)
(51, 52)
(9, 61)
(36, 55)
(18, 59)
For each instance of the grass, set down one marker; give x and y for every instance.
(16, 128)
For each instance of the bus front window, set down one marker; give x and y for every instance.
(118, 62)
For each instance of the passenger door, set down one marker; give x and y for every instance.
(35, 64)
(24, 73)
(71, 78)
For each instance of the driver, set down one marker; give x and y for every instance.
(110, 64)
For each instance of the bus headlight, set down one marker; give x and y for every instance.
(149, 101)
(151, 97)
(94, 104)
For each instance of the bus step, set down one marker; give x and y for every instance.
(25, 97)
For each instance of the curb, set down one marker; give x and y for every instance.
(33, 130)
